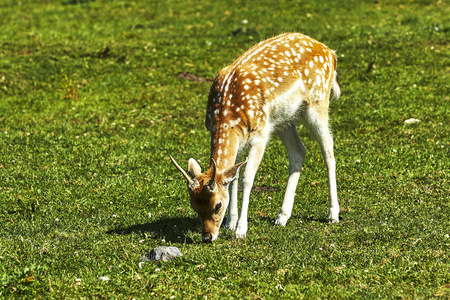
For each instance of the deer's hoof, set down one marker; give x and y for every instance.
(281, 220)
(241, 232)
(231, 225)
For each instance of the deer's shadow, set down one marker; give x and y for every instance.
(181, 230)
(173, 230)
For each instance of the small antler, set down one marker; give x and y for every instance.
(211, 186)
(188, 178)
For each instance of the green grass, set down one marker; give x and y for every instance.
(91, 106)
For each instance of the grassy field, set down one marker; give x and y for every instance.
(91, 106)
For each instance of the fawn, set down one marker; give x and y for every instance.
(280, 81)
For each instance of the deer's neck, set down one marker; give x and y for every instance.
(224, 147)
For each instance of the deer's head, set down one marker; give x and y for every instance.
(208, 193)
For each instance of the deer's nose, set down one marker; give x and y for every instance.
(207, 237)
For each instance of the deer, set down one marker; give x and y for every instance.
(278, 83)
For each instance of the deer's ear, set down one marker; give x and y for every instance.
(194, 168)
(230, 174)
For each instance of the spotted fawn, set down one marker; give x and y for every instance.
(277, 83)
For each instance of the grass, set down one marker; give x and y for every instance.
(91, 106)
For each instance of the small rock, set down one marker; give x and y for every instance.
(412, 121)
(162, 253)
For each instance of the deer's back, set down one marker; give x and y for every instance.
(271, 83)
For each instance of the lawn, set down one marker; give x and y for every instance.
(92, 104)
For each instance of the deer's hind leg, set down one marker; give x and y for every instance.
(296, 153)
(317, 122)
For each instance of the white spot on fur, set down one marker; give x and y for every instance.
(318, 80)
(235, 122)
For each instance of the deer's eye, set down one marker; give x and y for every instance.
(217, 207)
